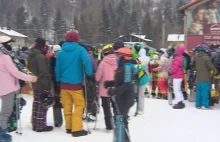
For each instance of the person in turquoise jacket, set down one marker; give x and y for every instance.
(144, 78)
(72, 61)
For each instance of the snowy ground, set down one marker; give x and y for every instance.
(160, 123)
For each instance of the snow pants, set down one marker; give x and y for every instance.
(6, 109)
(177, 83)
(107, 104)
(39, 113)
(141, 97)
(203, 94)
(73, 119)
(92, 98)
(162, 86)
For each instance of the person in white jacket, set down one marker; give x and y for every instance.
(144, 60)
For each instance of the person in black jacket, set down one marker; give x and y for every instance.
(122, 87)
(38, 65)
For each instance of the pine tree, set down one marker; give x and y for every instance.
(9, 20)
(60, 27)
(157, 27)
(36, 29)
(180, 16)
(21, 20)
(147, 25)
(134, 25)
(105, 29)
(45, 14)
(84, 28)
(123, 14)
(167, 10)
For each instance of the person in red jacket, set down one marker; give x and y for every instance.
(177, 74)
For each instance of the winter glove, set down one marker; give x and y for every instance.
(111, 92)
(109, 84)
(58, 103)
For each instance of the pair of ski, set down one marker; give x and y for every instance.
(14, 121)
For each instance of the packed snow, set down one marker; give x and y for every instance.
(160, 123)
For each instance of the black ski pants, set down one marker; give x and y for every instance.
(107, 106)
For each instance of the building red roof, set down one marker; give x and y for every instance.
(189, 5)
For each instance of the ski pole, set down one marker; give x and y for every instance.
(136, 113)
(18, 115)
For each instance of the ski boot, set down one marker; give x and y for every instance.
(180, 105)
(89, 118)
(153, 95)
(159, 96)
(185, 95)
(4, 137)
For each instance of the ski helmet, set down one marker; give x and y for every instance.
(124, 53)
(137, 47)
(56, 48)
(107, 49)
(203, 48)
(86, 45)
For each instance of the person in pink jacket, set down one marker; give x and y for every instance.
(177, 74)
(9, 85)
(106, 72)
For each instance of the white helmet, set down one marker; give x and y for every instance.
(56, 48)
(4, 39)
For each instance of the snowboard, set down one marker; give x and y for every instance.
(58, 116)
(170, 90)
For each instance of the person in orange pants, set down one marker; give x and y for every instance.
(70, 74)
(162, 70)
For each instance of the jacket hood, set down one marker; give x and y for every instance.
(34, 52)
(180, 50)
(110, 59)
(142, 52)
(69, 46)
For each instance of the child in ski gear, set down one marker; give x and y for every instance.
(143, 79)
(204, 67)
(105, 72)
(71, 60)
(137, 48)
(163, 69)
(154, 63)
(9, 86)
(38, 65)
(123, 87)
(177, 74)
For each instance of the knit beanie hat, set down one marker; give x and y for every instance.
(118, 44)
(40, 43)
(72, 36)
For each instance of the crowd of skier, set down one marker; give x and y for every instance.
(74, 74)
